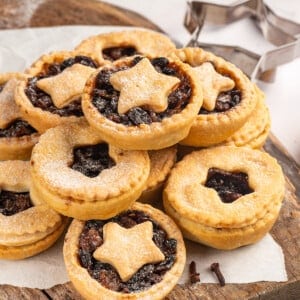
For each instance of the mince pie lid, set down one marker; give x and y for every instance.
(17, 136)
(228, 97)
(138, 254)
(52, 93)
(142, 103)
(78, 174)
(112, 46)
(27, 226)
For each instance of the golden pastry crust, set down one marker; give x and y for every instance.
(145, 42)
(73, 194)
(161, 163)
(153, 136)
(255, 131)
(39, 118)
(210, 129)
(32, 230)
(91, 289)
(13, 148)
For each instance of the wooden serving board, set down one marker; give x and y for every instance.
(36, 13)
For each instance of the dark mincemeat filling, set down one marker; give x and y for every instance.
(105, 97)
(92, 237)
(225, 101)
(115, 53)
(92, 160)
(42, 100)
(17, 129)
(2, 87)
(12, 203)
(229, 185)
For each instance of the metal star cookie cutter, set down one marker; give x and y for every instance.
(283, 33)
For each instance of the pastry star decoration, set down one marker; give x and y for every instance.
(66, 86)
(9, 110)
(142, 85)
(213, 83)
(128, 249)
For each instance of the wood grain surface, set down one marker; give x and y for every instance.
(36, 13)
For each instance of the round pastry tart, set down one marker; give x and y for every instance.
(52, 93)
(112, 46)
(138, 254)
(17, 136)
(27, 227)
(142, 104)
(228, 97)
(80, 176)
(161, 163)
(225, 197)
(255, 131)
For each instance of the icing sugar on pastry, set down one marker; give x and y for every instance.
(117, 249)
(143, 85)
(66, 86)
(213, 83)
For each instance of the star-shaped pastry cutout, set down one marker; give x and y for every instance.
(127, 250)
(213, 83)
(66, 86)
(142, 85)
(9, 110)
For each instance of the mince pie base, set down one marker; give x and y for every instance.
(234, 213)
(151, 120)
(77, 194)
(212, 127)
(25, 230)
(109, 247)
(112, 46)
(17, 137)
(52, 93)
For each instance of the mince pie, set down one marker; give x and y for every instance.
(229, 97)
(138, 254)
(81, 176)
(109, 47)
(141, 103)
(52, 93)
(225, 197)
(27, 225)
(17, 136)
(161, 163)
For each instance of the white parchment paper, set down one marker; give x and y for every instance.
(263, 261)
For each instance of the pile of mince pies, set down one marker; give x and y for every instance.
(95, 134)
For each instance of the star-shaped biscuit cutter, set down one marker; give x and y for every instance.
(213, 83)
(9, 110)
(142, 85)
(66, 86)
(127, 250)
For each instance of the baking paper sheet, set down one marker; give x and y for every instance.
(263, 261)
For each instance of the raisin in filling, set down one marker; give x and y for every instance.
(2, 87)
(12, 203)
(17, 129)
(114, 53)
(105, 97)
(225, 101)
(42, 100)
(92, 237)
(92, 160)
(229, 185)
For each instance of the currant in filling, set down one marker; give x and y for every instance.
(2, 87)
(92, 237)
(115, 53)
(17, 129)
(92, 160)
(229, 185)
(42, 100)
(12, 203)
(105, 97)
(225, 101)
